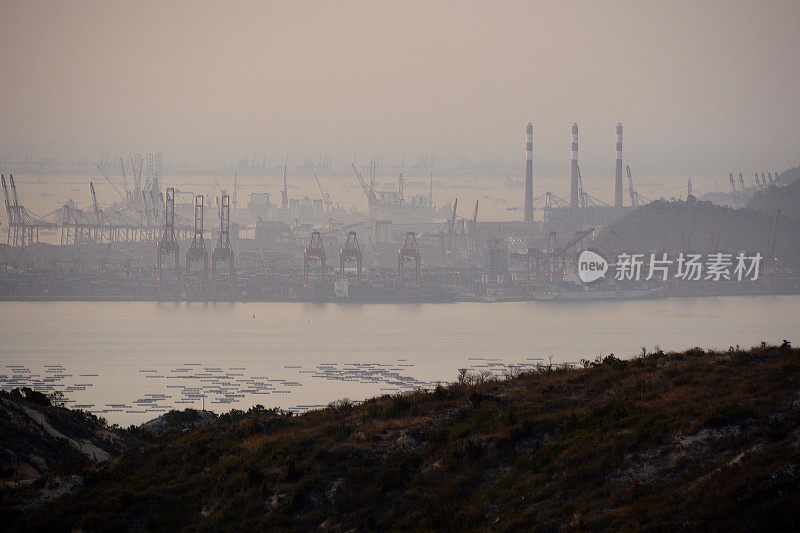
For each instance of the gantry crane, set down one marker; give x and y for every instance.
(197, 250)
(351, 252)
(168, 245)
(314, 251)
(223, 251)
(409, 252)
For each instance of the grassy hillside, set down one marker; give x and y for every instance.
(787, 198)
(658, 225)
(694, 440)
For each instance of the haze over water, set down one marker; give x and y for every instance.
(131, 361)
(694, 83)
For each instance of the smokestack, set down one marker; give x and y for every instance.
(573, 186)
(618, 175)
(528, 217)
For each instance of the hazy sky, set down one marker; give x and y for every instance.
(212, 81)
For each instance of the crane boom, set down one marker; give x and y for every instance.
(326, 198)
(577, 237)
(14, 194)
(97, 214)
(774, 230)
(630, 185)
(451, 225)
(124, 178)
(114, 185)
(369, 192)
(9, 211)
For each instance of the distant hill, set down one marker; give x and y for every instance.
(788, 176)
(684, 441)
(786, 198)
(658, 226)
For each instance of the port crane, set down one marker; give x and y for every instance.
(326, 198)
(636, 198)
(369, 190)
(124, 179)
(113, 185)
(473, 225)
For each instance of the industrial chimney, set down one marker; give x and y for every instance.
(618, 175)
(528, 216)
(573, 186)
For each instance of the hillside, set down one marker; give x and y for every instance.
(658, 226)
(695, 440)
(786, 198)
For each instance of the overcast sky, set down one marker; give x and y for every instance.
(212, 81)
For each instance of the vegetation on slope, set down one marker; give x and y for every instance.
(681, 440)
(786, 198)
(658, 226)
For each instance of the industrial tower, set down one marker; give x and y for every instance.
(618, 175)
(528, 216)
(574, 200)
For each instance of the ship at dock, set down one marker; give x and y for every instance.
(394, 206)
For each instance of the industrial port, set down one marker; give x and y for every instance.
(156, 242)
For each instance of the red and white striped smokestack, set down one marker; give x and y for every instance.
(573, 187)
(618, 175)
(528, 215)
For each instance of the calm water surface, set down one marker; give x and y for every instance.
(130, 361)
